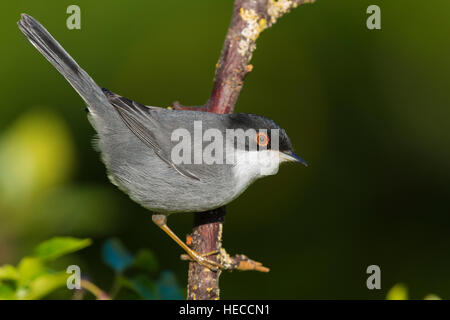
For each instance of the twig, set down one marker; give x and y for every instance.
(96, 291)
(250, 18)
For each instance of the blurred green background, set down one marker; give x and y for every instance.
(368, 110)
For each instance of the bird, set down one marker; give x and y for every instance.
(137, 144)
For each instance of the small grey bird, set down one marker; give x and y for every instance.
(137, 143)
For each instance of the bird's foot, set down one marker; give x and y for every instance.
(201, 259)
(237, 262)
(211, 253)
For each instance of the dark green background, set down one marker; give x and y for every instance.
(368, 110)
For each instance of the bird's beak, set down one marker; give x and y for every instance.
(291, 156)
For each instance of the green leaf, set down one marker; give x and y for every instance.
(116, 255)
(44, 284)
(7, 293)
(125, 282)
(59, 246)
(29, 268)
(398, 292)
(146, 260)
(8, 272)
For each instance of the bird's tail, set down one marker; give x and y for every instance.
(64, 63)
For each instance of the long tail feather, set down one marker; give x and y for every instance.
(64, 63)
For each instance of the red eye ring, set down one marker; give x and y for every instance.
(262, 139)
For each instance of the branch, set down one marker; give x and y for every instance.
(250, 18)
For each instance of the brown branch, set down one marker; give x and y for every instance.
(250, 18)
(206, 236)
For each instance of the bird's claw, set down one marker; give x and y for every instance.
(202, 260)
(211, 265)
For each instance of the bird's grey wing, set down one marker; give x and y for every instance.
(138, 118)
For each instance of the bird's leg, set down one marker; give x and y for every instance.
(161, 221)
(211, 253)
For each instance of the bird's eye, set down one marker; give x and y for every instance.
(262, 139)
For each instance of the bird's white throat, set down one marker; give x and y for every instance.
(251, 165)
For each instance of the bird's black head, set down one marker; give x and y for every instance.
(264, 130)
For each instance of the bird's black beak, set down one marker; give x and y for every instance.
(291, 156)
